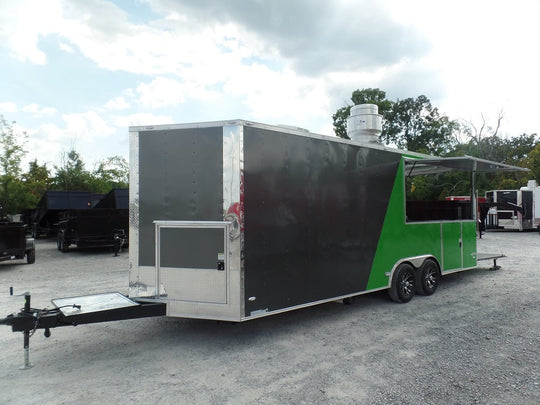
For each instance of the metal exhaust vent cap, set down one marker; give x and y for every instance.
(365, 123)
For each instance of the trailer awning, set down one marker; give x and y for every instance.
(432, 165)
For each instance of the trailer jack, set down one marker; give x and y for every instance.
(25, 316)
(75, 311)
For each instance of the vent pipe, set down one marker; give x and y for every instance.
(365, 123)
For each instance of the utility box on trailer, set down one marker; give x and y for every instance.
(236, 220)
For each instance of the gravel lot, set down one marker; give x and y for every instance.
(475, 341)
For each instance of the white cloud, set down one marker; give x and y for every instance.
(24, 22)
(88, 133)
(278, 95)
(39, 111)
(66, 48)
(163, 91)
(141, 119)
(118, 103)
(50, 132)
(291, 64)
(485, 55)
(45, 144)
(87, 126)
(8, 107)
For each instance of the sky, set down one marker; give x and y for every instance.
(75, 74)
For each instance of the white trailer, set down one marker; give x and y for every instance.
(514, 209)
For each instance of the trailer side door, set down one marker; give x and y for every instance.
(452, 242)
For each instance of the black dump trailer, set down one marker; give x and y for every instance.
(45, 217)
(105, 225)
(13, 243)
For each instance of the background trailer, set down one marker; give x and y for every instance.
(235, 220)
(514, 209)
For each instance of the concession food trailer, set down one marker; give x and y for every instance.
(235, 220)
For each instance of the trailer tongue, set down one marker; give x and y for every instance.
(75, 311)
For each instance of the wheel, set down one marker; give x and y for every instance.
(403, 283)
(118, 242)
(31, 256)
(428, 277)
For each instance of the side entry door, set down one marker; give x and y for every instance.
(452, 243)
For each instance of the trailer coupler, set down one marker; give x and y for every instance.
(76, 311)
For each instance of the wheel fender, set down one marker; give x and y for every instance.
(415, 261)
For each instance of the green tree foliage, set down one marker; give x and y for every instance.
(36, 181)
(513, 151)
(72, 175)
(532, 161)
(415, 125)
(112, 172)
(22, 190)
(12, 151)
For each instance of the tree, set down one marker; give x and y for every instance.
(71, 175)
(415, 125)
(112, 172)
(532, 161)
(478, 132)
(36, 181)
(10, 166)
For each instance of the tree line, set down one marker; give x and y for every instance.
(415, 125)
(411, 124)
(21, 190)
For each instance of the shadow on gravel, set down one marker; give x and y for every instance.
(11, 264)
(93, 251)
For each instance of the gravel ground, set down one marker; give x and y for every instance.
(475, 341)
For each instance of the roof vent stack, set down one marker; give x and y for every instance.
(365, 123)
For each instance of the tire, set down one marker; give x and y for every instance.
(118, 242)
(31, 256)
(403, 284)
(429, 277)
